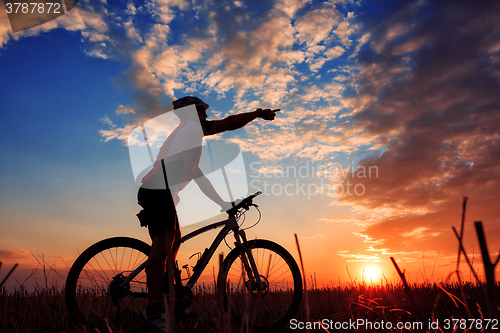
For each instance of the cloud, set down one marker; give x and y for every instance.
(352, 257)
(315, 26)
(125, 110)
(5, 29)
(317, 236)
(251, 58)
(290, 7)
(428, 93)
(114, 132)
(14, 255)
(112, 32)
(349, 219)
(249, 53)
(19, 256)
(220, 57)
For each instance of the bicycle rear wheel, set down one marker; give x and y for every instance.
(266, 309)
(93, 294)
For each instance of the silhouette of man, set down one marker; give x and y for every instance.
(181, 154)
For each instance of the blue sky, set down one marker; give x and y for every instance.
(410, 88)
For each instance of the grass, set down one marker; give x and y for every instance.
(390, 303)
(44, 310)
(41, 310)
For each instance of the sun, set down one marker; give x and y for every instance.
(372, 273)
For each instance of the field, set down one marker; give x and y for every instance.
(379, 306)
(353, 307)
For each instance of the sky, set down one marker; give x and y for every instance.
(390, 113)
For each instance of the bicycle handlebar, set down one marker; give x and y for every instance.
(245, 203)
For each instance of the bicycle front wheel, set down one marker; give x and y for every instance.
(94, 297)
(278, 301)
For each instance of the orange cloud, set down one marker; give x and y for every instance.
(432, 105)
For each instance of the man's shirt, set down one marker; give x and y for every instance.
(181, 153)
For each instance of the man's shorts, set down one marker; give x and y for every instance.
(159, 211)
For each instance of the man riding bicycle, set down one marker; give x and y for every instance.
(180, 156)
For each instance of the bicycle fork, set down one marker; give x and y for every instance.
(249, 261)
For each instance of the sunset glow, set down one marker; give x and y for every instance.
(372, 274)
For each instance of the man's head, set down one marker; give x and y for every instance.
(201, 107)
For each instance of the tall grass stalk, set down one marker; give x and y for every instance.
(304, 279)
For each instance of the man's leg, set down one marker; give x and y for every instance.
(162, 229)
(177, 236)
(155, 268)
(161, 249)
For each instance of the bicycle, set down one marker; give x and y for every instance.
(260, 282)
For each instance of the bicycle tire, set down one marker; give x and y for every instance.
(267, 310)
(94, 278)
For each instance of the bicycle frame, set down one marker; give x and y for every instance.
(229, 224)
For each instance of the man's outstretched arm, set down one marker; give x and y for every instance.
(239, 120)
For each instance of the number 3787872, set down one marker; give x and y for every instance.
(33, 7)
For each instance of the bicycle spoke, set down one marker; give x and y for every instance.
(95, 291)
(279, 297)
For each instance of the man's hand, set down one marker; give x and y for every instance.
(268, 114)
